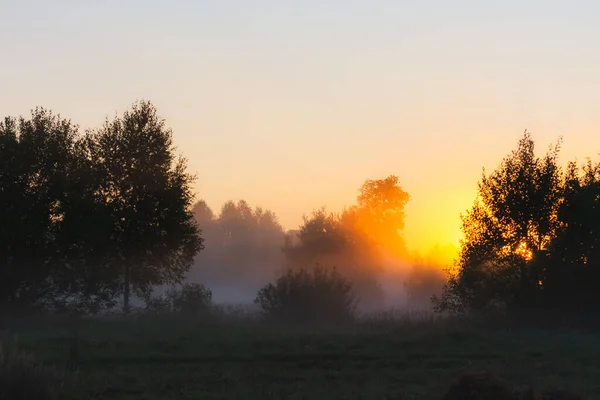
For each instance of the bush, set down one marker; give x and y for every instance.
(318, 296)
(159, 304)
(191, 298)
(22, 377)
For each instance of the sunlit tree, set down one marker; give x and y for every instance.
(356, 240)
(380, 213)
(507, 231)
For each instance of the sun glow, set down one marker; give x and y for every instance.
(524, 252)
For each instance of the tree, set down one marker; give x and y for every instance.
(84, 280)
(571, 269)
(203, 215)
(243, 245)
(507, 232)
(189, 298)
(35, 157)
(380, 212)
(355, 241)
(147, 193)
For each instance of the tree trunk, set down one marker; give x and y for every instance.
(126, 290)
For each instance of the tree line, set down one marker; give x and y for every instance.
(87, 217)
(242, 246)
(92, 216)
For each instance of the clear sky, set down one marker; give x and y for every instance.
(291, 105)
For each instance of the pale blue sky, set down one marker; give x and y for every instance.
(293, 104)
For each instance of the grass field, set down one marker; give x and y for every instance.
(174, 358)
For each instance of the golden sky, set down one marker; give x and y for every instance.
(293, 105)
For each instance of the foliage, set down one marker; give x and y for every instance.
(158, 304)
(571, 266)
(47, 250)
(190, 298)
(511, 223)
(380, 212)
(357, 241)
(84, 216)
(34, 161)
(530, 238)
(318, 296)
(147, 193)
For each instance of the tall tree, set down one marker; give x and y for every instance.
(147, 192)
(571, 268)
(35, 157)
(84, 280)
(507, 231)
(357, 240)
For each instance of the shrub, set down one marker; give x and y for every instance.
(190, 298)
(317, 296)
(22, 377)
(158, 304)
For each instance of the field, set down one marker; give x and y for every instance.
(382, 358)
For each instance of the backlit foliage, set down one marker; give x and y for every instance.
(530, 238)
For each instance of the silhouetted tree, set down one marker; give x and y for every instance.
(356, 241)
(570, 270)
(203, 215)
(243, 245)
(147, 192)
(84, 279)
(507, 232)
(35, 157)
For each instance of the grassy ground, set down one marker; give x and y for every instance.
(168, 358)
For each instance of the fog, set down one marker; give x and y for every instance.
(245, 248)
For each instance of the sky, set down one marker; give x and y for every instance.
(292, 105)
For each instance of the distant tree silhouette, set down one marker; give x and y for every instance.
(356, 240)
(147, 192)
(243, 245)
